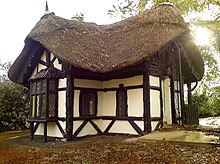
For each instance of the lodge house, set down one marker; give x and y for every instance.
(127, 77)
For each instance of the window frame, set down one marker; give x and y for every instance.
(121, 89)
(83, 112)
(34, 93)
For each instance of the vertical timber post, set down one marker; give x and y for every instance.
(69, 101)
(161, 103)
(172, 92)
(180, 84)
(189, 94)
(188, 111)
(146, 99)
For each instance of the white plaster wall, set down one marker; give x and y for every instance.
(57, 65)
(40, 67)
(62, 83)
(106, 106)
(140, 124)
(155, 103)
(43, 57)
(154, 124)
(87, 130)
(88, 83)
(167, 101)
(109, 103)
(62, 104)
(122, 126)
(76, 103)
(135, 102)
(102, 124)
(137, 80)
(100, 104)
(154, 81)
(40, 130)
(52, 130)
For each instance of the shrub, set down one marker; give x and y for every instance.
(208, 104)
(14, 106)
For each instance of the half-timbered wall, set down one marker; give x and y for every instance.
(167, 117)
(106, 117)
(135, 103)
(155, 100)
(107, 104)
(53, 130)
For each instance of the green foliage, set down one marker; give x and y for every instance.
(14, 106)
(199, 13)
(14, 102)
(3, 71)
(124, 9)
(132, 7)
(79, 17)
(211, 75)
(208, 104)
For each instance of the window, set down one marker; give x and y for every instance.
(177, 98)
(121, 101)
(44, 94)
(53, 97)
(38, 98)
(88, 103)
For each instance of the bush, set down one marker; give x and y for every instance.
(208, 105)
(14, 106)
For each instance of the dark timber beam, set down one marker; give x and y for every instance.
(161, 102)
(136, 127)
(69, 100)
(109, 126)
(172, 92)
(95, 127)
(189, 94)
(180, 83)
(61, 129)
(146, 99)
(45, 132)
(80, 128)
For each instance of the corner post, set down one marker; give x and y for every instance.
(146, 99)
(189, 94)
(69, 101)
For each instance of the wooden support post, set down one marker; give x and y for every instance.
(146, 99)
(32, 130)
(174, 121)
(45, 132)
(69, 102)
(189, 94)
(161, 102)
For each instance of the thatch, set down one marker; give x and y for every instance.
(106, 48)
(50, 72)
(112, 47)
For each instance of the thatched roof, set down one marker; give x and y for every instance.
(50, 72)
(112, 47)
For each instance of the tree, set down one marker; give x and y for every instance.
(14, 102)
(78, 17)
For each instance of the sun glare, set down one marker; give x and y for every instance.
(202, 36)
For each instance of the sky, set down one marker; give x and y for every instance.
(18, 17)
